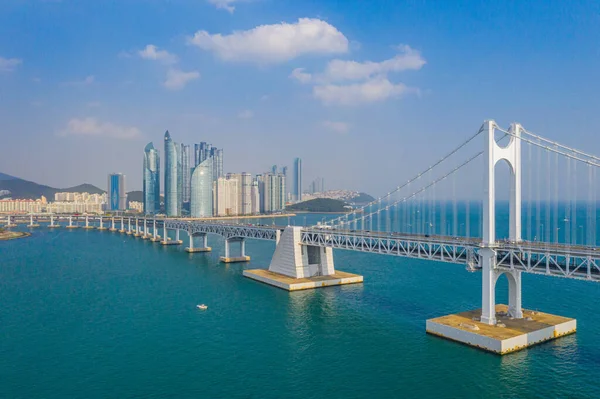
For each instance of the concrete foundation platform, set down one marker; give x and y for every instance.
(137, 235)
(508, 335)
(53, 226)
(111, 229)
(129, 233)
(102, 228)
(193, 250)
(88, 227)
(122, 231)
(157, 239)
(234, 259)
(71, 227)
(33, 225)
(171, 242)
(296, 284)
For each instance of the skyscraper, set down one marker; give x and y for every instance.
(201, 204)
(246, 196)
(151, 184)
(172, 160)
(272, 191)
(297, 192)
(201, 152)
(186, 171)
(274, 169)
(117, 196)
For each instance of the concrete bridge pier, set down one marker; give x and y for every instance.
(101, 224)
(8, 222)
(137, 228)
(155, 236)
(166, 240)
(145, 234)
(52, 224)
(129, 232)
(70, 226)
(232, 259)
(122, 230)
(203, 248)
(87, 223)
(296, 266)
(112, 225)
(31, 224)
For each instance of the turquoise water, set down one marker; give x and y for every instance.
(90, 314)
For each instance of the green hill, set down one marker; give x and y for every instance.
(319, 205)
(23, 189)
(362, 198)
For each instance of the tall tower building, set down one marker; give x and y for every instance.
(186, 171)
(201, 204)
(274, 169)
(246, 194)
(117, 196)
(151, 184)
(297, 191)
(255, 197)
(172, 161)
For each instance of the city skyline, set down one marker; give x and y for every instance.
(141, 80)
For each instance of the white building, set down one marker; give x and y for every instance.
(226, 197)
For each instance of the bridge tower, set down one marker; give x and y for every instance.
(493, 154)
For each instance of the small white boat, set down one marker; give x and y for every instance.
(202, 307)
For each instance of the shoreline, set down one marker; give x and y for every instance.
(285, 215)
(13, 235)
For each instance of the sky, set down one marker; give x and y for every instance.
(367, 93)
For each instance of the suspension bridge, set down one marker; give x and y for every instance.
(535, 215)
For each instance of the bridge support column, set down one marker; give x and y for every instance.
(128, 226)
(122, 229)
(70, 226)
(156, 237)
(8, 223)
(297, 266)
(137, 228)
(31, 224)
(87, 223)
(52, 224)
(233, 259)
(166, 240)
(101, 224)
(203, 248)
(112, 225)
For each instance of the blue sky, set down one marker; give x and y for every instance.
(367, 93)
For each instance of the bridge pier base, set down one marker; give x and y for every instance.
(296, 266)
(203, 248)
(52, 225)
(70, 226)
(233, 259)
(167, 240)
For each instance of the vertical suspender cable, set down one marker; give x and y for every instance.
(589, 208)
(538, 206)
(529, 197)
(555, 223)
(568, 201)
(547, 226)
(454, 208)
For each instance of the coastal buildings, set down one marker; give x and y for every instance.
(151, 182)
(117, 195)
(203, 151)
(21, 205)
(297, 192)
(172, 175)
(226, 197)
(272, 191)
(136, 206)
(201, 204)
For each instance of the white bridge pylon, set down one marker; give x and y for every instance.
(493, 154)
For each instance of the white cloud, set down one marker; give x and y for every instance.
(93, 127)
(338, 127)
(85, 82)
(372, 90)
(224, 4)
(9, 64)
(342, 70)
(177, 79)
(246, 114)
(274, 43)
(301, 76)
(151, 52)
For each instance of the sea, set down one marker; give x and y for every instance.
(95, 314)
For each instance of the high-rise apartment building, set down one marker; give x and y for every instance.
(201, 204)
(151, 183)
(172, 177)
(272, 191)
(297, 191)
(186, 172)
(246, 197)
(116, 192)
(274, 169)
(226, 197)
(255, 198)
(203, 151)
